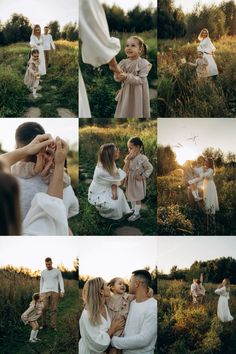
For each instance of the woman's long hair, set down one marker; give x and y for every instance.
(226, 283)
(200, 37)
(106, 158)
(10, 220)
(35, 26)
(210, 164)
(93, 299)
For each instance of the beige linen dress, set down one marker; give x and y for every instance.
(33, 312)
(133, 98)
(33, 68)
(138, 166)
(118, 307)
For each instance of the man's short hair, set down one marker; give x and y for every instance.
(144, 275)
(48, 259)
(26, 132)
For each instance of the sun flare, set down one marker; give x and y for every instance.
(186, 153)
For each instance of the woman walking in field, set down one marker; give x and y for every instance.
(36, 42)
(223, 312)
(208, 49)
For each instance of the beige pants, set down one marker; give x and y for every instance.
(47, 57)
(51, 297)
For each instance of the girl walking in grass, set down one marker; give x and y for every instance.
(137, 168)
(133, 98)
(31, 315)
(223, 312)
(31, 79)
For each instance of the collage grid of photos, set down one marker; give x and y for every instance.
(117, 151)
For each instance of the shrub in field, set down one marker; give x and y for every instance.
(12, 93)
(171, 221)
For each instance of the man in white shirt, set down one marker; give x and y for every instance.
(48, 44)
(50, 282)
(140, 331)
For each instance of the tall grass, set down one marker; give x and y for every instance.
(180, 94)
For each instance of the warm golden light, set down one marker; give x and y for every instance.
(186, 153)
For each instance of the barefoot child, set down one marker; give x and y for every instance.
(133, 98)
(31, 315)
(201, 65)
(31, 79)
(137, 168)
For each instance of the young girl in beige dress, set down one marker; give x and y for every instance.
(118, 305)
(31, 79)
(137, 168)
(31, 315)
(133, 98)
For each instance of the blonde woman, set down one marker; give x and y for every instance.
(223, 312)
(36, 42)
(96, 327)
(104, 192)
(208, 49)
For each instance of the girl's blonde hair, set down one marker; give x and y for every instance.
(35, 26)
(106, 158)
(226, 283)
(200, 34)
(141, 44)
(93, 299)
(113, 281)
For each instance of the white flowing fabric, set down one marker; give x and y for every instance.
(100, 194)
(46, 217)
(210, 193)
(94, 339)
(223, 312)
(98, 47)
(208, 50)
(38, 44)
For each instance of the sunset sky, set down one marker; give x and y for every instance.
(30, 252)
(217, 133)
(188, 5)
(41, 11)
(66, 128)
(109, 257)
(184, 250)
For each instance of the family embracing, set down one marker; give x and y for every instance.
(105, 191)
(114, 321)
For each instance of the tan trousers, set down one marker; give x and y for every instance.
(47, 57)
(52, 298)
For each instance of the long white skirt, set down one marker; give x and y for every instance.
(210, 197)
(84, 110)
(223, 312)
(212, 67)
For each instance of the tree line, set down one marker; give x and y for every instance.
(214, 271)
(174, 23)
(19, 29)
(166, 159)
(137, 20)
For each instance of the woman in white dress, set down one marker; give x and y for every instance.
(210, 196)
(96, 327)
(47, 215)
(208, 50)
(98, 47)
(36, 41)
(223, 312)
(104, 192)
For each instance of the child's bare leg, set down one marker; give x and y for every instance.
(114, 191)
(194, 191)
(33, 334)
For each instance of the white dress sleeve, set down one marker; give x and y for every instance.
(209, 173)
(206, 46)
(140, 340)
(46, 217)
(97, 46)
(220, 291)
(102, 176)
(70, 201)
(95, 337)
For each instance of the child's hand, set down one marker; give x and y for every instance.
(114, 196)
(122, 76)
(140, 178)
(39, 163)
(48, 164)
